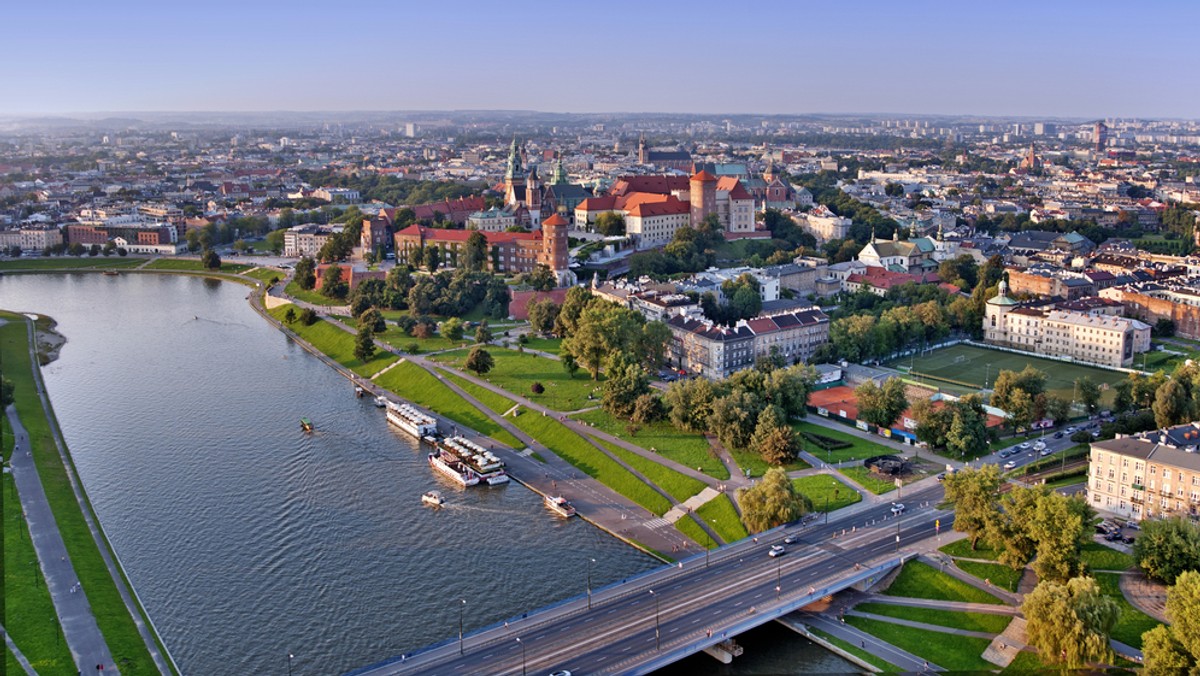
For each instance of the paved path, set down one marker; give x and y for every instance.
(17, 654)
(959, 606)
(921, 625)
(879, 648)
(79, 627)
(936, 560)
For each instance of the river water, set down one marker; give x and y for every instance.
(247, 539)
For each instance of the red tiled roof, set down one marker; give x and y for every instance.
(734, 187)
(663, 185)
(605, 203)
(555, 219)
(667, 207)
(703, 177)
(448, 235)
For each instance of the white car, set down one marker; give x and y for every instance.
(776, 550)
(1010, 464)
(1024, 446)
(1047, 451)
(1039, 446)
(897, 508)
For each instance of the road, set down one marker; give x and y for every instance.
(1025, 456)
(675, 607)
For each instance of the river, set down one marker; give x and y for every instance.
(248, 540)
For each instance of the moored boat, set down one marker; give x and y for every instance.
(560, 506)
(380, 402)
(482, 461)
(452, 467)
(411, 420)
(433, 498)
(359, 391)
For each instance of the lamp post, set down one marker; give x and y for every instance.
(589, 582)
(657, 644)
(778, 579)
(897, 536)
(522, 644)
(461, 607)
(290, 664)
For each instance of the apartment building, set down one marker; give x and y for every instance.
(703, 348)
(307, 240)
(1147, 475)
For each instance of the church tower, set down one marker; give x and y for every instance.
(514, 177)
(560, 174)
(642, 156)
(533, 197)
(995, 318)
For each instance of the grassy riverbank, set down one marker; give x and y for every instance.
(334, 342)
(118, 627)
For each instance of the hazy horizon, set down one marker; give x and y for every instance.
(1021, 59)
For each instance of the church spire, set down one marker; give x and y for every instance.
(514, 161)
(559, 177)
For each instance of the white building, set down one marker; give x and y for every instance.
(824, 224)
(492, 220)
(307, 240)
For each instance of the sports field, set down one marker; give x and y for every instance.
(967, 365)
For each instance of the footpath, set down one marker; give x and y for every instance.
(79, 627)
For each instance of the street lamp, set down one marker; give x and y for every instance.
(897, 536)
(461, 606)
(290, 664)
(522, 644)
(778, 578)
(657, 645)
(589, 582)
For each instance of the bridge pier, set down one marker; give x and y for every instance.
(725, 651)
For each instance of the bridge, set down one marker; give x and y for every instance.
(697, 604)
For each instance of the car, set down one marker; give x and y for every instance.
(1131, 524)
(1046, 451)
(776, 550)
(897, 508)
(1070, 430)
(1113, 537)
(1128, 539)
(1003, 454)
(1101, 529)
(1039, 445)
(941, 477)
(561, 672)
(1024, 446)
(789, 540)
(1058, 435)
(1010, 464)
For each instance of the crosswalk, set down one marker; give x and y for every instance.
(653, 524)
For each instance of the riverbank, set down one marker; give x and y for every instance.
(121, 619)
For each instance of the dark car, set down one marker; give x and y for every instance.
(1058, 435)
(1128, 539)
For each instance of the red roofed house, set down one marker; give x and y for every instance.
(510, 252)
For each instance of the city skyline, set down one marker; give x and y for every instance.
(937, 58)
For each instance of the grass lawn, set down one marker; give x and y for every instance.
(417, 385)
(1103, 557)
(517, 372)
(698, 535)
(114, 620)
(679, 486)
(401, 340)
(1133, 622)
(826, 492)
(993, 624)
(69, 263)
(1000, 575)
(955, 653)
(920, 581)
(1068, 479)
(293, 289)
(970, 365)
(265, 275)
(1053, 461)
(859, 448)
(685, 448)
(881, 664)
(551, 345)
(869, 480)
(720, 514)
(749, 460)
(1027, 662)
(193, 265)
(962, 549)
(335, 343)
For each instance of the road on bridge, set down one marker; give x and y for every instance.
(633, 625)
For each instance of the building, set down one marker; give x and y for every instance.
(1092, 338)
(492, 220)
(509, 252)
(1147, 475)
(1177, 301)
(1100, 136)
(346, 195)
(307, 239)
(824, 224)
(666, 159)
(913, 256)
(31, 238)
(703, 348)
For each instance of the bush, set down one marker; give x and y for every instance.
(308, 317)
(412, 348)
(537, 388)
(825, 443)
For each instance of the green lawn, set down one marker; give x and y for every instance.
(551, 345)
(698, 535)
(992, 624)
(1053, 461)
(1071, 478)
(749, 460)
(955, 653)
(720, 514)
(1000, 575)
(264, 275)
(312, 297)
(1133, 622)
(334, 342)
(679, 486)
(193, 265)
(114, 620)
(1102, 557)
(920, 581)
(962, 549)
(826, 492)
(859, 448)
(517, 372)
(869, 480)
(417, 385)
(1028, 662)
(402, 341)
(878, 663)
(66, 263)
(685, 448)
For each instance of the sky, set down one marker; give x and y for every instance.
(1052, 58)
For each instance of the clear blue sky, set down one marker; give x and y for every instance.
(1094, 58)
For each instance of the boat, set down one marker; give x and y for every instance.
(380, 402)
(560, 506)
(358, 391)
(452, 467)
(306, 425)
(110, 273)
(433, 498)
(482, 461)
(411, 420)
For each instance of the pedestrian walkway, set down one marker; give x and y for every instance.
(920, 625)
(79, 627)
(952, 570)
(17, 654)
(691, 504)
(1146, 595)
(957, 606)
(877, 647)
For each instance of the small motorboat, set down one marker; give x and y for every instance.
(306, 424)
(433, 498)
(380, 402)
(358, 391)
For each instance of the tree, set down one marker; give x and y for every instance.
(1058, 527)
(479, 360)
(542, 315)
(1058, 409)
(652, 343)
(452, 329)
(1089, 393)
(1123, 399)
(1167, 547)
(625, 383)
(94, 251)
(275, 241)
(332, 285)
(1070, 623)
(967, 435)
(210, 260)
(364, 345)
(433, 257)
(483, 334)
(308, 317)
(6, 392)
(537, 388)
(648, 409)
(734, 417)
(610, 224)
(689, 404)
(475, 253)
(773, 438)
(881, 406)
(542, 279)
(1029, 380)
(1163, 655)
(372, 320)
(306, 276)
(973, 493)
(569, 365)
(1183, 609)
(422, 330)
(576, 300)
(771, 502)
(1172, 403)
(290, 315)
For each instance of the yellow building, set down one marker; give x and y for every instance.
(1147, 475)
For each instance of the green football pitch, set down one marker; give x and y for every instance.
(969, 366)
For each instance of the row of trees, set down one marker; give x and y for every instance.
(76, 249)
(690, 250)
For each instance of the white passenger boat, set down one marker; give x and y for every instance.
(560, 506)
(433, 498)
(410, 420)
(453, 468)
